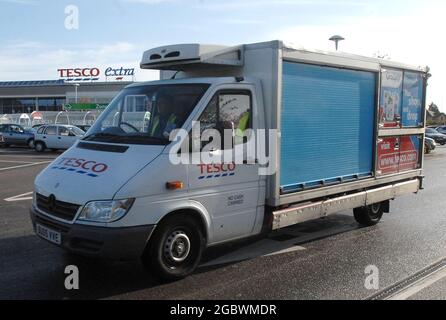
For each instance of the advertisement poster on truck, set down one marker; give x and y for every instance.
(412, 99)
(398, 154)
(390, 106)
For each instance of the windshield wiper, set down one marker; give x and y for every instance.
(146, 138)
(131, 139)
(94, 136)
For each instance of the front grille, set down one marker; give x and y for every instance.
(59, 209)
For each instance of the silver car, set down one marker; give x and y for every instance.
(56, 137)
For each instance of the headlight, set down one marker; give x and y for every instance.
(105, 211)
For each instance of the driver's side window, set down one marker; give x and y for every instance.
(228, 110)
(63, 131)
(16, 129)
(208, 119)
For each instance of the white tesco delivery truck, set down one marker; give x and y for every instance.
(331, 131)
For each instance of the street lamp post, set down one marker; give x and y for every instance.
(336, 40)
(76, 85)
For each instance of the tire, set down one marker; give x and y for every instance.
(30, 143)
(167, 261)
(369, 215)
(40, 146)
(427, 150)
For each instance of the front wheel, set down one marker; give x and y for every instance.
(369, 215)
(40, 146)
(175, 248)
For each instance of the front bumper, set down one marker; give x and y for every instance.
(440, 140)
(99, 242)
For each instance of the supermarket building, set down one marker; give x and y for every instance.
(56, 95)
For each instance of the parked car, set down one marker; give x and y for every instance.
(429, 145)
(56, 137)
(437, 136)
(15, 134)
(441, 129)
(37, 126)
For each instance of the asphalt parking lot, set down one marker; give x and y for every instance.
(324, 259)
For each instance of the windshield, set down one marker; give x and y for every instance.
(77, 131)
(429, 130)
(146, 114)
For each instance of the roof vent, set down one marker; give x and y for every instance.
(155, 57)
(173, 54)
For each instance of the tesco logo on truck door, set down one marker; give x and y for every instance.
(81, 166)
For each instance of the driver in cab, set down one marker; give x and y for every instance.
(165, 120)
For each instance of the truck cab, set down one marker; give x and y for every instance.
(217, 151)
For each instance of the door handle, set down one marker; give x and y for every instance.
(59, 138)
(214, 152)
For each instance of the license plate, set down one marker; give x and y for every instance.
(48, 234)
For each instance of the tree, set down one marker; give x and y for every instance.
(434, 109)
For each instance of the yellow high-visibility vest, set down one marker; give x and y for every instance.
(243, 123)
(156, 122)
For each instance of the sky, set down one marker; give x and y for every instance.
(34, 40)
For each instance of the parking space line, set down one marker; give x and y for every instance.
(9, 161)
(25, 165)
(20, 197)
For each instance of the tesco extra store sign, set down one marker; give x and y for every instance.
(94, 74)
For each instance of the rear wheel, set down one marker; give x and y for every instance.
(30, 143)
(40, 146)
(175, 248)
(369, 215)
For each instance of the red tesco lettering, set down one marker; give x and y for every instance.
(84, 164)
(79, 72)
(216, 168)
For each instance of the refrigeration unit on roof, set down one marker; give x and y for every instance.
(182, 56)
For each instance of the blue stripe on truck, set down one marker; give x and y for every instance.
(328, 117)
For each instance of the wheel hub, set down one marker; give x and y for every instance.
(177, 246)
(375, 208)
